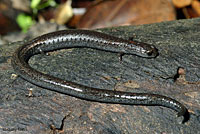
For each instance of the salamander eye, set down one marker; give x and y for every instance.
(150, 53)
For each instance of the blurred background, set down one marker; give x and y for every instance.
(20, 15)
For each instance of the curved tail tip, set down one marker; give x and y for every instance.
(185, 114)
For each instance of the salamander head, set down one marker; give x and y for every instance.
(142, 49)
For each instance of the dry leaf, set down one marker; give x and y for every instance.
(127, 12)
(64, 13)
(196, 6)
(181, 3)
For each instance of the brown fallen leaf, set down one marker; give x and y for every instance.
(181, 3)
(64, 13)
(189, 12)
(8, 18)
(196, 6)
(127, 12)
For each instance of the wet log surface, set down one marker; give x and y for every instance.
(174, 73)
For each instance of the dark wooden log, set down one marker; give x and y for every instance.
(174, 73)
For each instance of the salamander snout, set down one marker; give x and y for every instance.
(142, 49)
(153, 52)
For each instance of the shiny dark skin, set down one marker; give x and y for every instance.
(89, 39)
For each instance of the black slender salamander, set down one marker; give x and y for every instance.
(89, 39)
